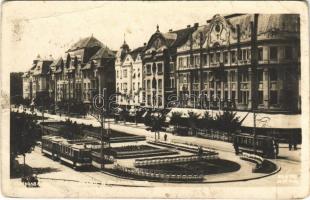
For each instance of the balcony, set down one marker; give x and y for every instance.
(244, 86)
(273, 85)
(196, 86)
(206, 86)
(215, 64)
(260, 86)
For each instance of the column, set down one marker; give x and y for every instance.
(237, 87)
(266, 88)
(280, 87)
(249, 87)
(228, 85)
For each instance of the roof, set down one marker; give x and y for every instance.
(134, 53)
(182, 36)
(86, 43)
(42, 67)
(104, 52)
(57, 62)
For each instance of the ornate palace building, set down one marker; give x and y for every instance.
(236, 60)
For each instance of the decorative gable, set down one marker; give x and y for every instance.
(219, 33)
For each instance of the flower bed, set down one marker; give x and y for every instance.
(173, 160)
(134, 151)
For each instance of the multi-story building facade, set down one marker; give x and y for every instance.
(233, 59)
(36, 80)
(86, 68)
(159, 65)
(129, 76)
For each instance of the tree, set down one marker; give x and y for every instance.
(193, 120)
(175, 118)
(228, 122)
(23, 135)
(206, 121)
(70, 130)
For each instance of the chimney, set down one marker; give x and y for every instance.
(170, 30)
(196, 25)
(188, 26)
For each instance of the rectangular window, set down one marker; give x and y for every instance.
(233, 95)
(204, 59)
(260, 97)
(171, 67)
(148, 69)
(218, 55)
(273, 54)
(172, 82)
(233, 56)
(149, 99)
(225, 55)
(125, 73)
(160, 68)
(248, 57)
(232, 76)
(273, 97)
(134, 86)
(239, 54)
(273, 75)
(288, 52)
(148, 84)
(260, 75)
(244, 54)
(197, 60)
(260, 53)
(160, 82)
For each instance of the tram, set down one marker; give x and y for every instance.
(265, 146)
(76, 153)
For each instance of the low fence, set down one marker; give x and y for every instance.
(144, 153)
(172, 160)
(214, 135)
(161, 175)
(190, 148)
(256, 158)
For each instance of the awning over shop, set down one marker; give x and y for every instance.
(263, 120)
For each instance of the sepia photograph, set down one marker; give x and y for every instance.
(155, 99)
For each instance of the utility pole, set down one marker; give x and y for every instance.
(254, 63)
(102, 123)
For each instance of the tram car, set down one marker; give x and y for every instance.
(265, 146)
(51, 146)
(76, 153)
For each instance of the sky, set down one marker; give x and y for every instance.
(48, 28)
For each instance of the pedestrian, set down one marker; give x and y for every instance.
(165, 137)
